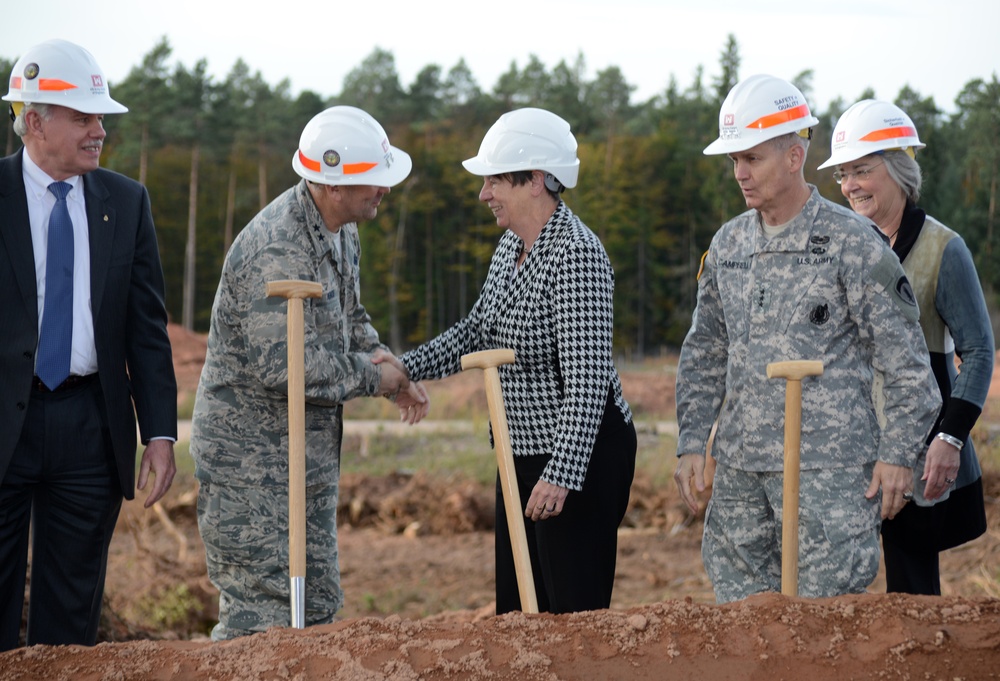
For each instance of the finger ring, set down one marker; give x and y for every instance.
(949, 481)
(551, 510)
(908, 495)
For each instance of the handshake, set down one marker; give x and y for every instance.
(410, 396)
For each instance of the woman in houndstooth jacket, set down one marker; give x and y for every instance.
(548, 296)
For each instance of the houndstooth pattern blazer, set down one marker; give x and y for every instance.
(556, 314)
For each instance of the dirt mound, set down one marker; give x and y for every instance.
(767, 637)
(415, 505)
(417, 567)
(417, 570)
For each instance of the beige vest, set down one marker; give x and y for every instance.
(922, 266)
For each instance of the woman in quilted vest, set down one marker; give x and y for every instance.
(873, 149)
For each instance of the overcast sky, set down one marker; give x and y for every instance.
(936, 47)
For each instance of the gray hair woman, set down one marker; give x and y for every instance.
(873, 151)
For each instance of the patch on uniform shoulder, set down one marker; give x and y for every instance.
(820, 315)
(889, 274)
(905, 291)
(902, 293)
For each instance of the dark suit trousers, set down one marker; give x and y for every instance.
(61, 481)
(911, 541)
(573, 555)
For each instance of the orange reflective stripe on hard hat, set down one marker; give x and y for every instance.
(349, 168)
(357, 168)
(889, 133)
(771, 120)
(308, 162)
(44, 84)
(54, 84)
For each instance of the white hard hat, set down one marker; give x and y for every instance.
(870, 126)
(757, 109)
(344, 145)
(63, 73)
(528, 139)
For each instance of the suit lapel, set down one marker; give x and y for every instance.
(15, 233)
(101, 226)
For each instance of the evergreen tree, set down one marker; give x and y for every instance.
(374, 86)
(212, 155)
(978, 121)
(147, 93)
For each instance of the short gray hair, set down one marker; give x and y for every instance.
(21, 125)
(784, 142)
(905, 171)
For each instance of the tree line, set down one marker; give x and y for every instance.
(213, 153)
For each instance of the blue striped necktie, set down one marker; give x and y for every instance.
(56, 341)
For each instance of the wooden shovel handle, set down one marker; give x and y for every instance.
(793, 371)
(489, 360)
(295, 291)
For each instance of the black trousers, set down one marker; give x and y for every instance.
(62, 483)
(913, 539)
(573, 555)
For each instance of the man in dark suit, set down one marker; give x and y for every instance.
(85, 349)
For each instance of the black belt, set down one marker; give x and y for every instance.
(71, 382)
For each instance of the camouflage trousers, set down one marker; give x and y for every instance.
(838, 532)
(245, 532)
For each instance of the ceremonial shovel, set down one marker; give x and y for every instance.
(295, 291)
(488, 361)
(794, 372)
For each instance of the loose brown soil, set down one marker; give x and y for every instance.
(417, 564)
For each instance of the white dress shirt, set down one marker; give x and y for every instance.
(40, 203)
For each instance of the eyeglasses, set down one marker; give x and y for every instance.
(861, 174)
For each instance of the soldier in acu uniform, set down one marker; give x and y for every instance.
(797, 277)
(239, 437)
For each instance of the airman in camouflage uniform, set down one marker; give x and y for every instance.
(797, 277)
(239, 437)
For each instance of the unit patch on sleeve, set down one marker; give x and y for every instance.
(889, 274)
